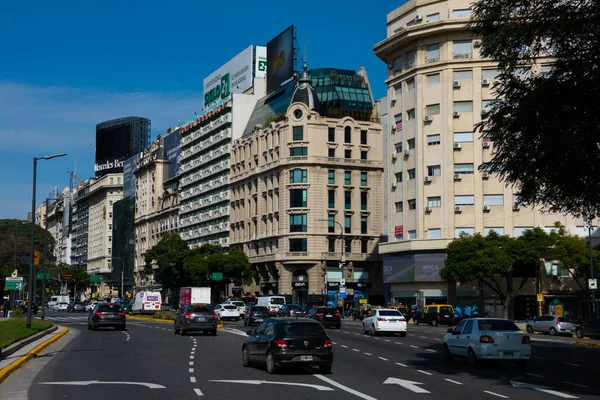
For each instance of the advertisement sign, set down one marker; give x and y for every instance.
(413, 268)
(233, 77)
(112, 145)
(172, 145)
(261, 62)
(280, 59)
(128, 176)
(399, 230)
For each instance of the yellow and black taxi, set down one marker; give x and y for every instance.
(435, 314)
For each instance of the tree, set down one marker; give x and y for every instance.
(205, 260)
(545, 127)
(573, 253)
(169, 254)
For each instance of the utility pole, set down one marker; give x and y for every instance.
(592, 290)
(45, 255)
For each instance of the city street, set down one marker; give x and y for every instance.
(149, 361)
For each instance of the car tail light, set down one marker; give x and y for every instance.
(336, 314)
(328, 343)
(319, 315)
(280, 343)
(558, 321)
(290, 313)
(213, 316)
(98, 313)
(486, 339)
(526, 340)
(222, 309)
(188, 315)
(121, 313)
(381, 319)
(252, 314)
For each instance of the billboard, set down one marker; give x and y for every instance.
(261, 62)
(112, 145)
(172, 146)
(280, 59)
(128, 176)
(233, 77)
(413, 268)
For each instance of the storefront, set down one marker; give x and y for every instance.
(299, 287)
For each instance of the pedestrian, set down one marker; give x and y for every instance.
(6, 308)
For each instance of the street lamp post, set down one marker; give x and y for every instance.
(593, 291)
(342, 258)
(32, 249)
(75, 288)
(122, 275)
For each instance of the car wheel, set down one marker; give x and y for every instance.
(325, 369)
(182, 332)
(416, 321)
(245, 359)
(579, 333)
(89, 327)
(338, 326)
(446, 355)
(403, 334)
(375, 333)
(94, 327)
(472, 357)
(245, 322)
(529, 329)
(434, 322)
(213, 332)
(552, 331)
(175, 329)
(271, 367)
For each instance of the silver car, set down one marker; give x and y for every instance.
(551, 324)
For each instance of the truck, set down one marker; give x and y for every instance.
(194, 295)
(146, 302)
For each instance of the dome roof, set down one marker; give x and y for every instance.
(305, 93)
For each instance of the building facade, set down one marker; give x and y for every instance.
(80, 224)
(439, 87)
(56, 215)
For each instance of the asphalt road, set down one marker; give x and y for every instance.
(148, 361)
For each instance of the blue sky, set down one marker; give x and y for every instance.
(68, 65)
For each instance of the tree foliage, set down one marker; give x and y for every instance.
(545, 128)
(168, 254)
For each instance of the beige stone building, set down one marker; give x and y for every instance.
(439, 86)
(306, 194)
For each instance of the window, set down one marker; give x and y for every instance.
(546, 70)
(363, 179)
(493, 200)
(331, 153)
(410, 61)
(347, 135)
(487, 105)
(331, 224)
(364, 246)
(462, 13)
(464, 200)
(331, 199)
(110, 181)
(347, 199)
(347, 224)
(433, 53)
(363, 225)
(412, 204)
(398, 66)
(433, 140)
(410, 114)
(298, 198)
(298, 223)
(518, 230)
(398, 148)
(331, 176)
(297, 133)
(298, 175)
(298, 244)
(399, 206)
(410, 84)
(467, 231)
(363, 137)
(434, 170)
(348, 245)
(298, 151)
(110, 203)
(347, 177)
(432, 109)
(363, 200)
(463, 137)
(463, 168)
(433, 17)
(462, 76)
(398, 177)
(498, 230)
(522, 73)
(331, 245)
(434, 201)
(463, 49)
(331, 135)
(433, 79)
(434, 233)
(363, 154)
(398, 121)
(411, 143)
(412, 173)
(463, 106)
(489, 74)
(412, 235)
(347, 153)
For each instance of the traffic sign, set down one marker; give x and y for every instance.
(14, 283)
(96, 278)
(593, 284)
(40, 276)
(66, 277)
(14, 274)
(217, 276)
(342, 292)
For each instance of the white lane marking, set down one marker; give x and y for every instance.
(191, 370)
(539, 358)
(439, 340)
(192, 379)
(198, 392)
(356, 349)
(424, 372)
(410, 334)
(346, 332)
(344, 388)
(451, 381)
(368, 354)
(384, 359)
(536, 375)
(410, 385)
(334, 342)
(388, 340)
(191, 363)
(571, 364)
(495, 394)
(96, 382)
(261, 382)
(400, 364)
(423, 337)
(376, 338)
(576, 384)
(398, 342)
(357, 334)
(430, 350)
(191, 357)
(414, 347)
(344, 346)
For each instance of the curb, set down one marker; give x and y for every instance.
(586, 343)
(24, 342)
(220, 324)
(6, 371)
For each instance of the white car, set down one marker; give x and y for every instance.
(227, 311)
(62, 306)
(385, 320)
(90, 306)
(487, 339)
(240, 305)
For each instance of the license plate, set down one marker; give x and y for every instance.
(329, 316)
(306, 358)
(393, 320)
(200, 319)
(509, 353)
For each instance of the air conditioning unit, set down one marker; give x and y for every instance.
(486, 208)
(485, 145)
(394, 155)
(485, 82)
(477, 43)
(457, 145)
(427, 209)
(418, 17)
(406, 153)
(457, 177)
(456, 114)
(516, 206)
(485, 175)
(427, 179)
(428, 118)
(458, 209)
(484, 113)
(390, 65)
(456, 84)
(394, 184)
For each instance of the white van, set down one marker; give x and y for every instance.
(55, 300)
(273, 303)
(146, 302)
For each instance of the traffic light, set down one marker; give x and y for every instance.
(36, 258)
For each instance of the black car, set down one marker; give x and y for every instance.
(109, 315)
(76, 306)
(291, 310)
(592, 329)
(196, 318)
(327, 316)
(288, 342)
(34, 308)
(256, 315)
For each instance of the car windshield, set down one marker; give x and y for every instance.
(109, 308)
(303, 329)
(259, 309)
(199, 309)
(390, 313)
(277, 300)
(497, 325)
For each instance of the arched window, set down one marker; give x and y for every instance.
(347, 135)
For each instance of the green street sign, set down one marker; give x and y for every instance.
(40, 276)
(217, 276)
(14, 283)
(96, 278)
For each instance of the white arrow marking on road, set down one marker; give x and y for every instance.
(260, 382)
(85, 383)
(410, 385)
(544, 389)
